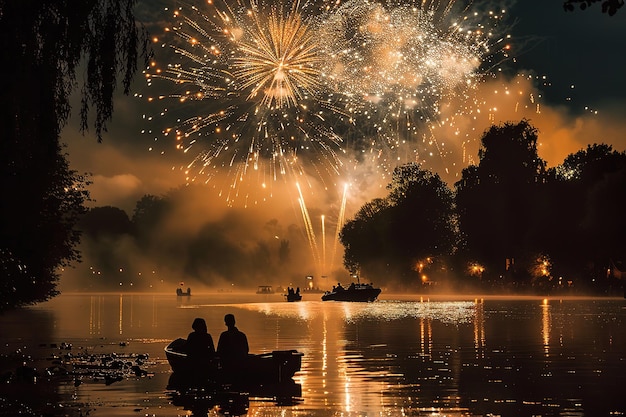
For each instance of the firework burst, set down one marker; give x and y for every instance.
(288, 89)
(278, 60)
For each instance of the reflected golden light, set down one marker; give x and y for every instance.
(342, 366)
(155, 321)
(95, 316)
(545, 325)
(479, 327)
(121, 311)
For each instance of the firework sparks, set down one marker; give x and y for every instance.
(311, 88)
(278, 59)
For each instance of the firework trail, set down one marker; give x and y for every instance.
(268, 91)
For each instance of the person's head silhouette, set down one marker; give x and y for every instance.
(199, 325)
(229, 320)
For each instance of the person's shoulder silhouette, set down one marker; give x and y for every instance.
(232, 343)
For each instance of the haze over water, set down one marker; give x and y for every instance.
(402, 355)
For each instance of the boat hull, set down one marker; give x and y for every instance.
(356, 295)
(278, 366)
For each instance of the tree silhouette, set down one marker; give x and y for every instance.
(363, 237)
(415, 221)
(608, 6)
(105, 221)
(584, 223)
(496, 199)
(44, 44)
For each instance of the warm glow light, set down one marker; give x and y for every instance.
(287, 77)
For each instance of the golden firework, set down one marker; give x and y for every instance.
(278, 58)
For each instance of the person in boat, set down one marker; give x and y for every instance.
(232, 347)
(339, 287)
(199, 342)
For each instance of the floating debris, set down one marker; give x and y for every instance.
(77, 366)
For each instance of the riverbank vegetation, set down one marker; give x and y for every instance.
(509, 224)
(513, 224)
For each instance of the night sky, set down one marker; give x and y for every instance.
(576, 62)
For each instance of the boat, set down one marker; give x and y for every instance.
(355, 292)
(293, 295)
(265, 289)
(278, 366)
(180, 292)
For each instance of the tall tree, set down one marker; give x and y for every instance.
(584, 223)
(391, 235)
(496, 199)
(363, 237)
(44, 44)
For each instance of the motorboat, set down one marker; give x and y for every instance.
(355, 292)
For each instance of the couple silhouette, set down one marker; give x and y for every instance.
(232, 346)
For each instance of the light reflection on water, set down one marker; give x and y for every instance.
(395, 357)
(385, 310)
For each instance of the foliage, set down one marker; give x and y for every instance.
(496, 200)
(362, 237)
(37, 227)
(171, 237)
(584, 224)
(100, 222)
(415, 221)
(44, 45)
(150, 211)
(520, 224)
(608, 6)
(554, 225)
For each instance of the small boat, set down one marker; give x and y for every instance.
(180, 292)
(265, 289)
(355, 292)
(293, 295)
(277, 366)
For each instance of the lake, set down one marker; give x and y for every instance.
(403, 355)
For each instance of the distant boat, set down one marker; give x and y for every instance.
(180, 292)
(292, 295)
(355, 292)
(265, 289)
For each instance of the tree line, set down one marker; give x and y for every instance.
(509, 223)
(172, 237)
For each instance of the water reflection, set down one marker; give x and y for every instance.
(479, 327)
(395, 357)
(202, 397)
(545, 326)
(368, 351)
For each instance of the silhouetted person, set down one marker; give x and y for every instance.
(199, 342)
(232, 347)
